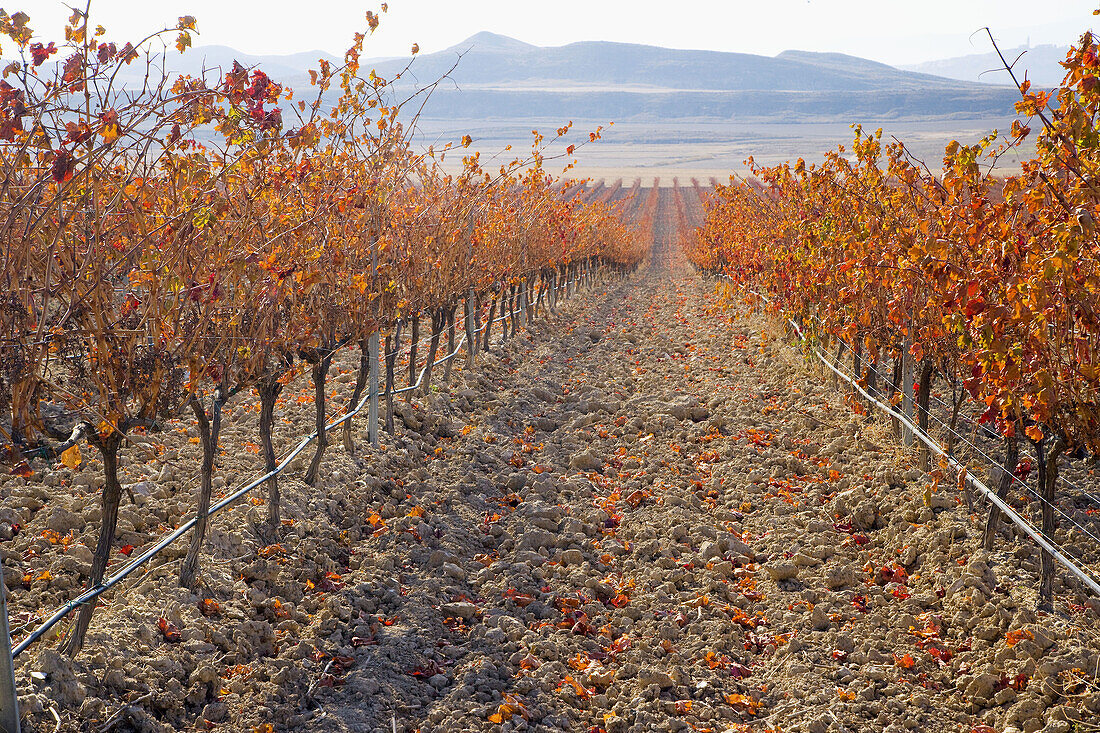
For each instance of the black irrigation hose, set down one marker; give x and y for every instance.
(91, 594)
(1018, 520)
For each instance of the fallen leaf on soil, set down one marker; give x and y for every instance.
(905, 661)
(71, 457)
(520, 599)
(744, 703)
(511, 707)
(582, 692)
(170, 631)
(425, 671)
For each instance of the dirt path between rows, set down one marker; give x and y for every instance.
(646, 514)
(702, 536)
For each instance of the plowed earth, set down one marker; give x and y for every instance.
(646, 513)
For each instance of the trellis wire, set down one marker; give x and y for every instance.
(91, 594)
(1040, 539)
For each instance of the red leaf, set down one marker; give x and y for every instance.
(63, 165)
(40, 53)
(425, 671)
(170, 630)
(739, 671)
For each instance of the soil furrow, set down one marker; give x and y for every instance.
(646, 513)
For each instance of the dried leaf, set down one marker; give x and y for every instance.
(71, 457)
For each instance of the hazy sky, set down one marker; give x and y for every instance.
(894, 31)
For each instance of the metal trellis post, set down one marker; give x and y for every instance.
(9, 696)
(372, 414)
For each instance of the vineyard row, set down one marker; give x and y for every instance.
(342, 419)
(165, 249)
(986, 284)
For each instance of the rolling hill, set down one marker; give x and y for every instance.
(500, 77)
(1040, 63)
(495, 77)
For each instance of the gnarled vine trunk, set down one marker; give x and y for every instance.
(924, 392)
(109, 501)
(414, 335)
(269, 389)
(1048, 480)
(489, 323)
(433, 348)
(209, 433)
(451, 343)
(1004, 483)
(319, 373)
(391, 365)
(357, 392)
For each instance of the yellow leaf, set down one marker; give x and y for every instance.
(71, 457)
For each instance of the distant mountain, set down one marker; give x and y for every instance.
(1040, 63)
(281, 68)
(493, 77)
(493, 61)
(216, 61)
(500, 77)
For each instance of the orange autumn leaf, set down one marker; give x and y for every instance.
(905, 661)
(509, 708)
(520, 599)
(580, 662)
(170, 631)
(743, 703)
(582, 692)
(71, 457)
